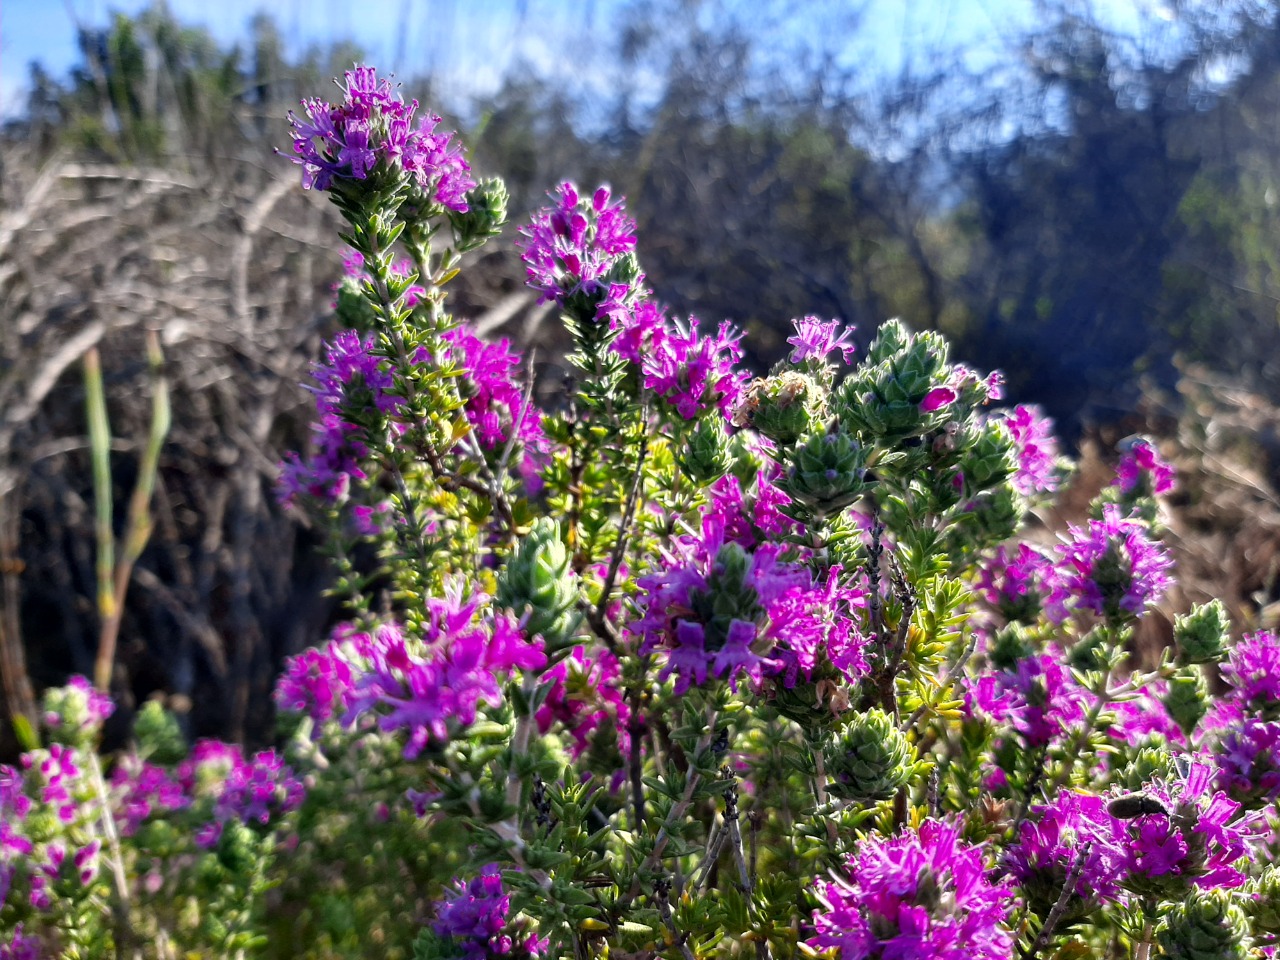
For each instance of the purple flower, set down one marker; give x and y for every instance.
(921, 894)
(58, 775)
(694, 373)
(262, 788)
(474, 915)
(207, 767)
(494, 403)
(1053, 838)
(644, 328)
(1197, 842)
(815, 338)
(374, 129)
(572, 247)
(1142, 470)
(1045, 699)
(1138, 718)
(1015, 583)
(749, 521)
(714, 594)
(433, 686)
(320, 683)
(329, 473)
(142, 789)
(1253, 671)
(86, 861)
(937, 398)
(14, 846)
(1113, 569)
(20, 946)
(585, 695)
(819, 625)
(353, 378)
(1036, 448)
(77, 710)
(1248, 760)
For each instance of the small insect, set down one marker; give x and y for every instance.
(1134, 805)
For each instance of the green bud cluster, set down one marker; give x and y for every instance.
(708, 455)
(1261, 901)
(783, 407)
(1207, 926)
(1010, 645)
(990, 459)
(868, 759)
(1201, 635)
(486, 213)
(538, 585)
(882, 398)
(159, 736)
(828, 472)
(1187, 699)
(1149, 764)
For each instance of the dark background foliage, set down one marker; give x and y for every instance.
(1090, 216)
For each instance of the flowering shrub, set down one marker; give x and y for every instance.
(694, 664)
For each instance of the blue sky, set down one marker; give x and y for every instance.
(468, 44)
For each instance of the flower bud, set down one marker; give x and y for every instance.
(1207, 926)
(898, 393)
(237, 847)
(781, 407)
(1150, 763)
(1009, 646)
(486, 213)
(708, 456)
(75, 713)
(537, 585)
(1188, 698)
(728, 596)
(991, 459)
(868, 759)
(827, 473)
(1261, 901)
(1200, 636)
(159, 737)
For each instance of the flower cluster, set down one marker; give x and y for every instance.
(574, 248)
(695, 372)
(144, 789)
(1196, 838)
(430, 686)
(816, 339)
(20, 946)
(1038, 699)
(1037, 450)
(373, 130)
(1253, 671)
(75, 711)
(1016, 582)
(495, 405)
(720, 611)
(474, 915)
(584, 698)
(258, 789)
(1142, 470)
(1072, 834)
(1113, 569)
(319, 682)
(351, 379)
(923, 893)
